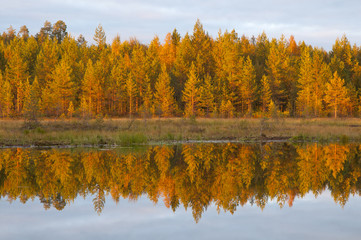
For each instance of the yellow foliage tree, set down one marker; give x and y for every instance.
(191, 93)
(164, 95)
(336, 94)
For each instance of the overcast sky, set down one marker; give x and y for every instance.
(317, 22)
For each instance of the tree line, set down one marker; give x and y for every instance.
(53, 74)
(195, 175)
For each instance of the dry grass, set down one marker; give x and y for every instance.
(125, 132)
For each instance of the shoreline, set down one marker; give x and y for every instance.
(125, 132)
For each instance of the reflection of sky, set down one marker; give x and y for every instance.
(307, 219)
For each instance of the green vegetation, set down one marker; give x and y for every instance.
(125, 132)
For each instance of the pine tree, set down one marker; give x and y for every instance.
(139, 73)
(59, 30)
(84, 107)
(147, 106)
(17, 73)
(70, 111)
(168, 52)
(226, 55)
(336, 94)
(91, 89)
(247, 49)
(191, 93)
(31, 104)
(45, 32)
(305, 84)
(206, 96)
(24, 32)
(99, 36)
(2, 102)
(202, 51)
(7, 97)
(164, 100)
(116, 90)
(266, 95)
(278, 62)
(60, 91)
(247, 84)
(152, 60)
(102, 71)
(341, 58)
(46, 61)
(30, 52)
(26, 87)
(321, 72)
(182, 65)
(227, 109)
(273, 109)
(131, 88)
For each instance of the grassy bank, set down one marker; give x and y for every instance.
(127, 132)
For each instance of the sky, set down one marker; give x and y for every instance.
(317, 22)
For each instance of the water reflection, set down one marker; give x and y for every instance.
(195, 175)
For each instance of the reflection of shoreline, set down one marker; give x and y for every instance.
(194, 175)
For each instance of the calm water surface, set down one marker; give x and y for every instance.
(195, 191)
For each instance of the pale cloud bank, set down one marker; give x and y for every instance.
(317, 22)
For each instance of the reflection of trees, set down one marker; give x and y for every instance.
(193, 175)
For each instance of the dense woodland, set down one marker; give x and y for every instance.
(195, 176)
(53, 74)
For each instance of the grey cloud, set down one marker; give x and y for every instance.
(317, 22)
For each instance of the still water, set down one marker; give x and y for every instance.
(194, 191)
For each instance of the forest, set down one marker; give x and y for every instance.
(194, 176)
(54, 75)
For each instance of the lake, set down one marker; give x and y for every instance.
(189, 191)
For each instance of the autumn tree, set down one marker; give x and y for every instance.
(116, 91)
(46, 61)
(336, 94)
(139, 72)
(305, 84)
(226, 55)
(168, 52)
(152, 60)
(182, 65)
(265, 94)
(202, 51)
(7, 97)
(59, 30)
(278, 67)
(99, 36)
(191, 93)
(31, 103)
(164, 101)
(341, 58)
(17, 73)
(60, 91)
(246, 85)
(45, 32)
(235, 75)
(321, 73)
(206, 97)
(24, 32)
(91, 90)
(147, 106)
(131, 89)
